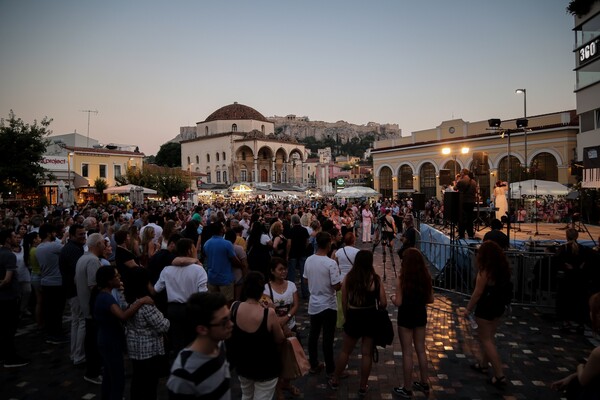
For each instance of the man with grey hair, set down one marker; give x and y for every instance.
(90, 224)
(85, 279)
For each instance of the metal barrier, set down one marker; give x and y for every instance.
(453, 268)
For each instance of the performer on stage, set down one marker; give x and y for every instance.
(467, 186)
(500, 200)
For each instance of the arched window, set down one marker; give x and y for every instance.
(385, 182)
(262, 128)
(544, 167)
(243, 156)
(217, 156)
(224, 158)
(197, 159)
(406, 177)
(224, 176)
(206, 131)
(189, 161)
(234, 128)
(515, 169)
(218, 176)
(208, 158)
(427, 176)
(454, 168)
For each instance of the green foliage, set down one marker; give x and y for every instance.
(354, 147)
(166, 181)
(169, 155)
(100, 185)
(580, 7)
(23, 146)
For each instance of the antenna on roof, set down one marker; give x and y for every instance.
(88, 130)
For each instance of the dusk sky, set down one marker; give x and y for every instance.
(149, 67)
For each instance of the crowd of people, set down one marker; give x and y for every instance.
(196, 291)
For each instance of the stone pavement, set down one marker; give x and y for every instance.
(534, 350)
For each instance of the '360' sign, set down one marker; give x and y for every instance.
(588, 51)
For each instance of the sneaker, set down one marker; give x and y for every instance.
(16, 362)
(403, 392)
(96, 380)
(57, 339)
(422, 386)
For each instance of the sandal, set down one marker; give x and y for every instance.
(333, 384)
(293, 390)
(499, 382)
(363, 391)
(479, 368)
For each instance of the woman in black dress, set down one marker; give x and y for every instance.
(361, 290)
(413, 292)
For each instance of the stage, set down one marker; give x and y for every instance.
(525, 233)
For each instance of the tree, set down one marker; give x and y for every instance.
(23, 147)
(169, 155)
(166, 181)
(100, 185)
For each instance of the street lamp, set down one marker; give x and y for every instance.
(69, 188)
(446, 151)
(522, 123)
(495, 124)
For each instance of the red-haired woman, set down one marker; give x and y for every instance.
(492, 293)
(413, 292)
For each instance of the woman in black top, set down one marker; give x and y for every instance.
(361, 290)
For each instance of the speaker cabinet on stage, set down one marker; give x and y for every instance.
(445, 178)
(418, 201)
(451, 207)
(480, 163)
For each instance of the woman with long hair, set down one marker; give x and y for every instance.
(361, 292)
(283, 297)
(279, 241)
(169, 229)
(133, 243)
(492, 293)
(413, 292)
(253, 343)
(258, 248)
(584, 383)
(149, 247)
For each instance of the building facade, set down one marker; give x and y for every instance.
(236, 143)
(418, 162)
(76, 167)
(587, 93)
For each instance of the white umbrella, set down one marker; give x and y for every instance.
(536, 187)
(355, 192)
(126, 189)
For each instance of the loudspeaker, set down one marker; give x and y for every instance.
(480, 163)
(445, 178)
(418, 201)
(451, 206)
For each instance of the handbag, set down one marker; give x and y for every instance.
(294, 363)
(384, 332)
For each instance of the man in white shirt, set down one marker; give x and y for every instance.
(181, 283)
(323, 278)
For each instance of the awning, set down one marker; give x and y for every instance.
(78, 180)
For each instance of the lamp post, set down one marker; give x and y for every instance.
(447, 151)
(522, 123)
(494, 124)
(69, 155)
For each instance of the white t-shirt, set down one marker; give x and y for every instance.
(322, 273)
(345, 258)
(182, 282)
(283, 301)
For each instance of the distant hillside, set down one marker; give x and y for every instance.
(302, 128)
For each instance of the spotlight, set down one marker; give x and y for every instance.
(522, 123)
(494, 122)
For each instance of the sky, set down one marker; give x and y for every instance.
(149, 67)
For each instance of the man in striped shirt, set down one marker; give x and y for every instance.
(201, 369)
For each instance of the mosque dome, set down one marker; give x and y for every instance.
(235, 111)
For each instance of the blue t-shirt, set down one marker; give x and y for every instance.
(110, 330)
(219, 253)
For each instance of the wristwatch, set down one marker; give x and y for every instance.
(289, 316)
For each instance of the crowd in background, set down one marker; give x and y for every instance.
(156, 282)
